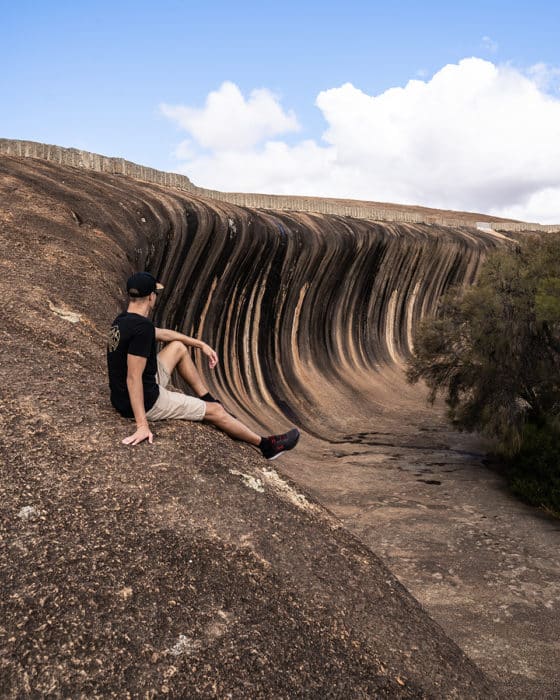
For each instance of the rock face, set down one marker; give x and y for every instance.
(308, 311)
(190, 568)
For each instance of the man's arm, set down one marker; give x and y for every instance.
(165, 336)
(136, 366)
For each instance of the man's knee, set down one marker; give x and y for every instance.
(171, 355)
(178, 348)
(174, 352)
(215, 412)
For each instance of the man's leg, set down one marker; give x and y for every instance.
(217, 415)
(175, 355)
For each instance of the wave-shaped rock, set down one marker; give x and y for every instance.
(303, 307)
(188, 567)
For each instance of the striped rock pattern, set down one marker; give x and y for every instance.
(305, 308)
(308, 311)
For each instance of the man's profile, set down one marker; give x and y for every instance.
(139, 375)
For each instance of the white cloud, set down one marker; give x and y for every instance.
(543, 206)
(476, 136)
(547, 78)
(228, 120)
(489, 44)
(275, 168)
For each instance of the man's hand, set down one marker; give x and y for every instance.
(142, 433)
(211, 355)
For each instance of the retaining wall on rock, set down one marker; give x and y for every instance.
(119, 166)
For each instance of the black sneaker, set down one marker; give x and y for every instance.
(273, 446)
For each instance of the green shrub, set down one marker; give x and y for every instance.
(493, 352)
(534, 471)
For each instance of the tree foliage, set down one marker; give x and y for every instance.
(493, 350)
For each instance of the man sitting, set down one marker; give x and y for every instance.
(138, 375)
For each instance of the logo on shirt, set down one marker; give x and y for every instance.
(114, 338)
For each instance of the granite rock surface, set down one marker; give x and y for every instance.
(191, 568)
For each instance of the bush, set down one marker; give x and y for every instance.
(493, 351)
(534, 471)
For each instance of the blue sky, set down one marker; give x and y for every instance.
(95, 75)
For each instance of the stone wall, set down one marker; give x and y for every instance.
(119, 166)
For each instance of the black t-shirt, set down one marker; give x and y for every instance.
(131, 334)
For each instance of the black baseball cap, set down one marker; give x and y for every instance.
(142, 284)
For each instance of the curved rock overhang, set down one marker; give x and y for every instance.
(304, 308)
(313, 315)
(192, 568)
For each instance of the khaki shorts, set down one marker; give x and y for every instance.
(172, 404)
